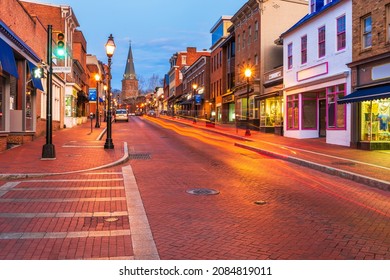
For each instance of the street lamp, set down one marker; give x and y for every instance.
(97, 79)
(110, 48)
(194, 87)
(248, 74)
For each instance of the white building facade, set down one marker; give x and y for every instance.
(315, 53)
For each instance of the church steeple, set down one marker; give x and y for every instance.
(130, 70)
(129, 81)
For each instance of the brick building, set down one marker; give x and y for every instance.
(177, 62)
(22, 117)
(218, 72)
(65, 89)
(370, 69)
(255, 33)
(195, 100)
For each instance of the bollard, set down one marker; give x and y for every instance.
(91, 117)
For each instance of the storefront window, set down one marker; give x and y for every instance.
(336, 112)
(68, 106)
(271, 111)
(309, 111)
(293, 111)
(375, 116)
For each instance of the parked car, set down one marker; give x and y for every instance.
(121, 115)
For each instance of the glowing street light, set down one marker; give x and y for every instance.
(248, 74)
(110, 48)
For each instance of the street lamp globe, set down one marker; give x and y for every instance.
(110, 46)
(248, 73)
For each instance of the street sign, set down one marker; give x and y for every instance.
(62, 69)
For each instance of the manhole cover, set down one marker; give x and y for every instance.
(111, 220)
(345, 163)
(144, 156)
(202, 191)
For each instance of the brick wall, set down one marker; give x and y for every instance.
(28, 28)
(376, 8)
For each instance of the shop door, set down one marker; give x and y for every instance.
(322, 117)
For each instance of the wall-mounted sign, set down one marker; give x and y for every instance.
(92, 94)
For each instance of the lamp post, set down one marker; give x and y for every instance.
(97, 79)
(110, 48)
(194, 87)
(48, 150)
(248, 74)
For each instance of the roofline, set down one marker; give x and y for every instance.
(221, 19)
(310, 17)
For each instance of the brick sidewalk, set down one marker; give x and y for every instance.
(76, 149)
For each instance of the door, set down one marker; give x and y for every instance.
(322, 117)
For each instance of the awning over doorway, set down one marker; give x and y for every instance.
(7, 59)
(367, 94)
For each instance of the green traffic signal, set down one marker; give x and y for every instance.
(60, 50)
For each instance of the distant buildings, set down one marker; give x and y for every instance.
(319, 68)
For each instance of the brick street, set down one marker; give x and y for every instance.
(265, 208)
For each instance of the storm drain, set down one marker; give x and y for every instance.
(201, 191)
(141, 156)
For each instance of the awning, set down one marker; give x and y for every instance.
(37, 83)
(367, 94)
(7, 59)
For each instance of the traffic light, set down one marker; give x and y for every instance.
(60, 50)
(38, 73)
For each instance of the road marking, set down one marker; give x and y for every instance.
(64, 215)
(7, 187)
(325, 155)
(65, 189)
(58, 200)
(144, 247)
(75, 180)
(72, 234)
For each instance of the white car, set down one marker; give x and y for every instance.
(121, 115)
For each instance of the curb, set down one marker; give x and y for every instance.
(124, 158)
(372, 182)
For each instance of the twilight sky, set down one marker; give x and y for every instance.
(157, 29)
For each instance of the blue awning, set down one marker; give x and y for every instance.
(7, 59)
(37, 83)
(367, 94)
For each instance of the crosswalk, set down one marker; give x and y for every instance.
(85, 216)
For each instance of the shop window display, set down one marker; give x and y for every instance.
(271, 112)
(375, 118)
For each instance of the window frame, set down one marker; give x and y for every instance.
(341, 35)
(292, 123)
(321, 41)
(335, 93)
(366, 33)
(290, 56)
(304, 49)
